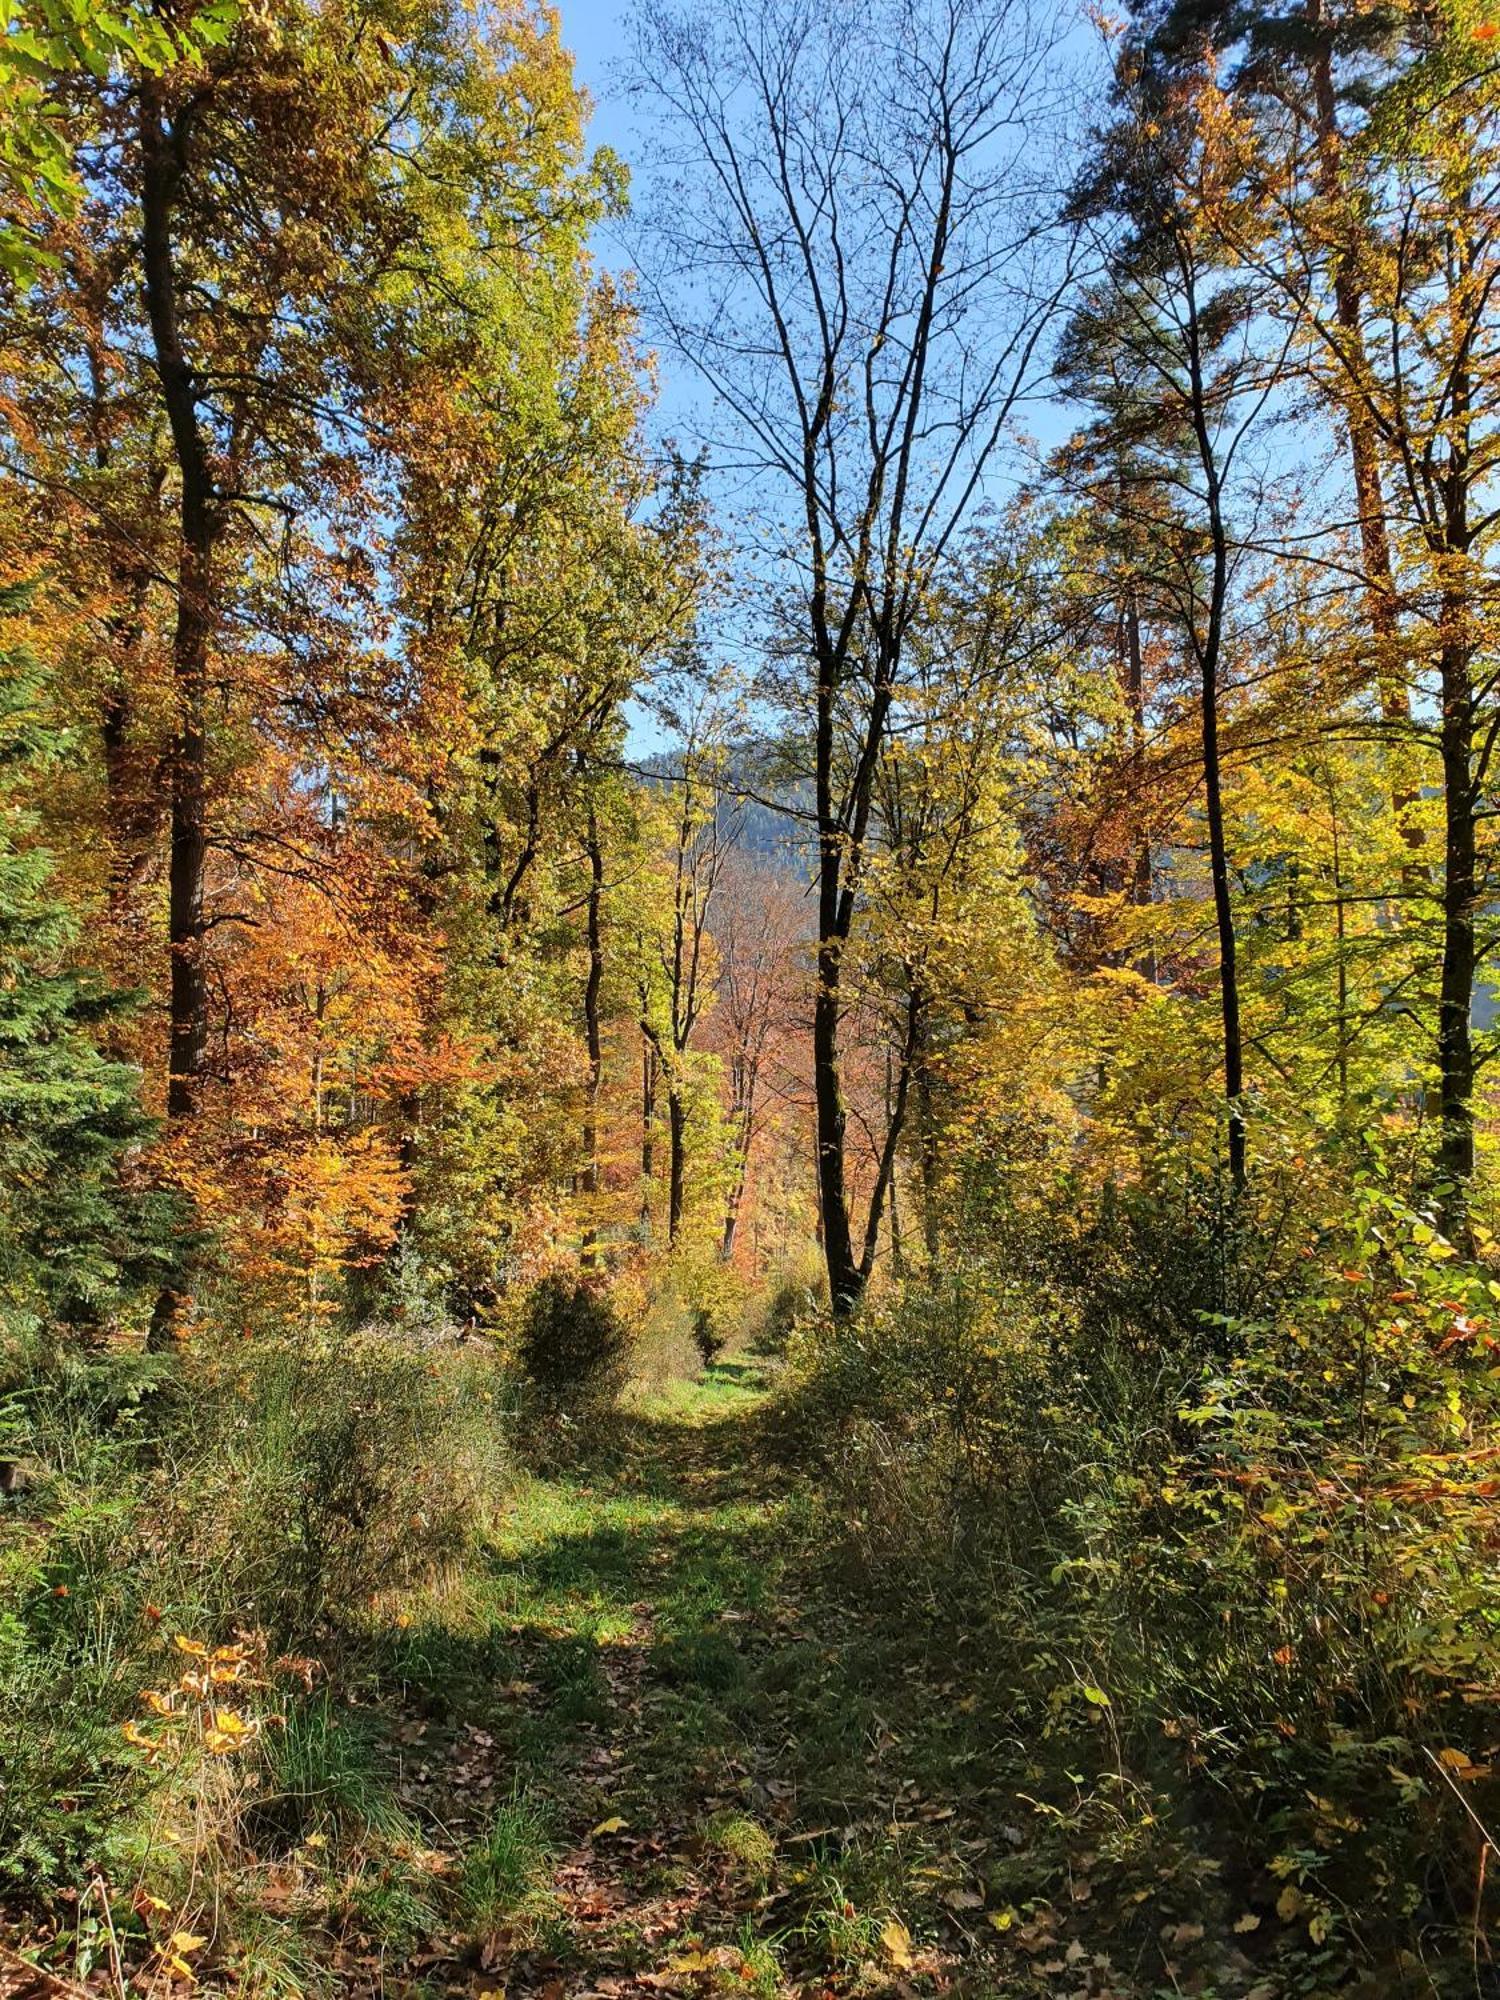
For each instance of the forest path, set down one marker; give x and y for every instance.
(682, 1758)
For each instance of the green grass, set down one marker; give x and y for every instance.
(505, 1872)
(649, 1724)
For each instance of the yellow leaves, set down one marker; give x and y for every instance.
(606, 1826)
(174, 1952)
(227, 1732)
(1458, 1764)
(695, 1960)
(137, 1738)
(896, 1942)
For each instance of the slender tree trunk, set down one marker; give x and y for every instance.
(649, 1072)
(588, 1179)
(198, 529)
(928, 1147)
(898, 1258)
(676, 1166)
(732, 1218)
(1364, 453)
(1461, 784)
(895, 1123)
(845, 1282)
(1142, 887)
(198, 532)
(1229, 990)
(1209, 651)
(1456, 991)
(745, 1071)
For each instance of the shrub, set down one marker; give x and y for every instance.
(707, 1337)
(310, 1474)
(574, 1349)
(74, 1591)
(796, 1295)
(1254, 1560)
(926, 1412)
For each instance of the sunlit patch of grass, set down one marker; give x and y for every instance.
(743, 1844)
(834, 1926)
(271, 1958)
(727, 1389)
(506, 1873)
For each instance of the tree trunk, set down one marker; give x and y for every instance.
(1462, 786)
(161, 170)
(1455, 995)
(927, 1141)
(676, 1134)
(1369, 494)
(845, 1279)
(1209, 650)
(588, 1178)
(1229, 990)
(895, 1122)
(743, 1073)
(198, 529)
(1142, 887)
(648, 1128)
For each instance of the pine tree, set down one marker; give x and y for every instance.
(77, 1239)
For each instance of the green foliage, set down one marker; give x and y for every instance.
(79, 1236)
(313, 1473)
(573, 1348)
(42, 44)
(505, 1871)
(928, 1411)
(74, 1635)
(265, 1483)
(1251, 1558)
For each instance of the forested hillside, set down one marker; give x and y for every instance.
(749, 910)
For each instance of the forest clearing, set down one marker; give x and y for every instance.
(749, 1149)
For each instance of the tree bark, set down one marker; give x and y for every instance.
(1369, 493)
(676, 1164)
(161, 172)
(588, 1179)
(1460, 883)
(648, 1127)
(1209, 652)
(198, 526)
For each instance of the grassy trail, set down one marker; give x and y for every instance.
(678, 1758)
